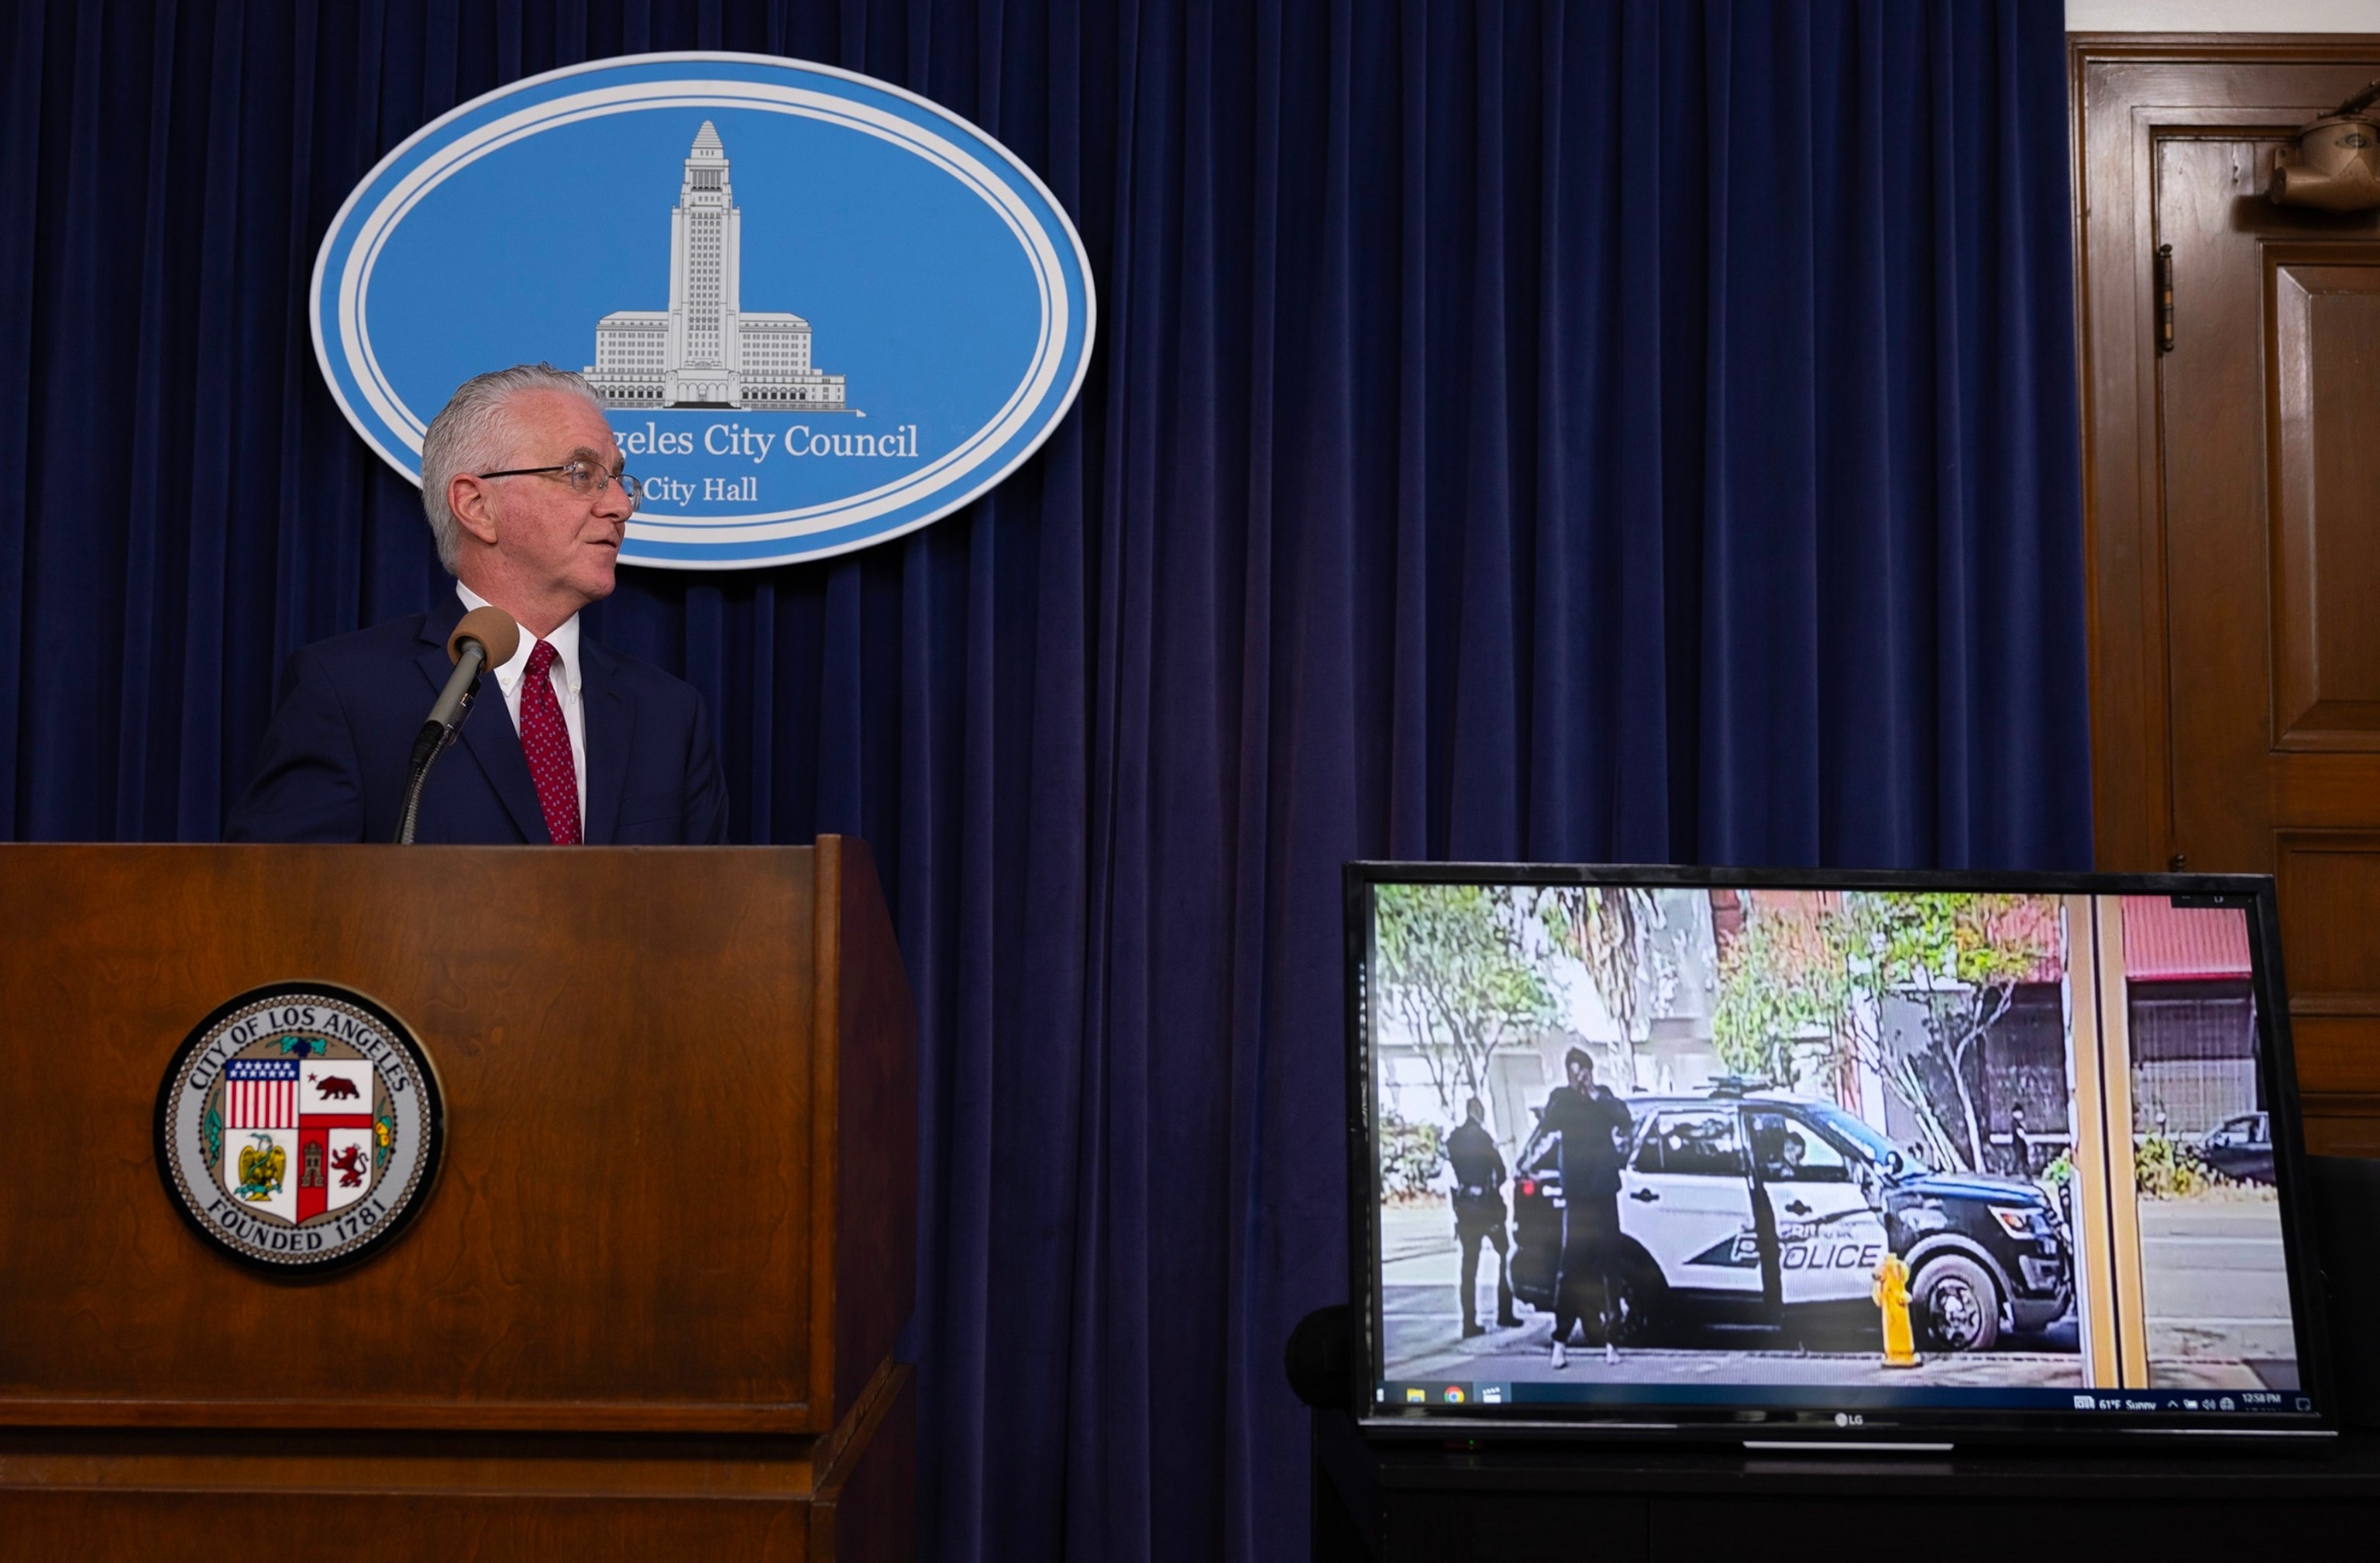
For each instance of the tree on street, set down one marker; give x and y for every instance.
(1804, 966)
(1454, 963)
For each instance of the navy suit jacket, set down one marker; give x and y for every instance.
(334, 762)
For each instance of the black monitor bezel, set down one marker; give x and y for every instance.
(1927, 1425)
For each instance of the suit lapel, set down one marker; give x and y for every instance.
(611, 738)
(488, 733)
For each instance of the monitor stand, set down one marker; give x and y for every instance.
(1845, 1447)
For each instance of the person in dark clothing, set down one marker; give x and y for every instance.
(1480, 1215)
(1772, 1162)
(1596, 1129)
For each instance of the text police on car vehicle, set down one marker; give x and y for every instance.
(1750, 1206)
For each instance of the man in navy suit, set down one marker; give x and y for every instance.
(527, 498)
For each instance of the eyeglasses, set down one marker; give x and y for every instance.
(584, 477)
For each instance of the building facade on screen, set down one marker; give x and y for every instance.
(706, 349)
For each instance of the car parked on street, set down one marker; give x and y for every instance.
(1757, 1208)
(2241, 1147)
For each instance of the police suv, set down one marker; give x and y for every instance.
(1733, 1197)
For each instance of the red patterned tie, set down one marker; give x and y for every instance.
(545, 742)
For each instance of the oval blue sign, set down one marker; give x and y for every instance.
(820, 311)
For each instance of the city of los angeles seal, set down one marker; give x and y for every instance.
(298, 1127)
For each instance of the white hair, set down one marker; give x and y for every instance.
(473, 433)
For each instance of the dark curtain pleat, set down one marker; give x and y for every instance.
(1565, 430)
(22, 110)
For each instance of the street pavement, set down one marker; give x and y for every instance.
(1425, 1346)
(2217, 1289)
(2213, 1283)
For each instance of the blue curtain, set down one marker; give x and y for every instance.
(1589, 431)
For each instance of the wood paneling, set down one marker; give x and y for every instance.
(2329, 886)
(2346, 1126)
(2336, 1057)
(2330, 890)
(153, 1495)
(2132, 98)
(200, 1527)
(874, 1262)
(2324, 790)
(2323, 323)
(638, 1198)
(2216, 631)
(864, 1511)
(649, 1304)
(2233, 510)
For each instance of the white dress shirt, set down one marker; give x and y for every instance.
(564, 679)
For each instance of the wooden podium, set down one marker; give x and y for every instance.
(645, 1309)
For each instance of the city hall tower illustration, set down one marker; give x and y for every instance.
(706, 349)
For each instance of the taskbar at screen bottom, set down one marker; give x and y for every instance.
(1466, 1395)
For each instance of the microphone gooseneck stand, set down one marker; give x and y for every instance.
(486, 638)
(428, 745)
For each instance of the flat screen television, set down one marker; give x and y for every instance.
(1897, 1157)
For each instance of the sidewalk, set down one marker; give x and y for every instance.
(1423, 1329)
(1424, 1340)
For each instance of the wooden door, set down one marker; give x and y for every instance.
(2233, 459)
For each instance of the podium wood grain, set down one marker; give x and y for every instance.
(678, 1191)
(160, 1497)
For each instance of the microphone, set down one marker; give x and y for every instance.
(486, 638)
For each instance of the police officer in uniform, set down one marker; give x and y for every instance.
(1479, 1213)
(1596, 1130)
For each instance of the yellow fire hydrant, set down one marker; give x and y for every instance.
(1892, 1294)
